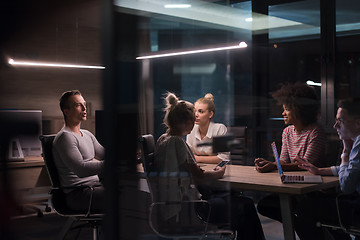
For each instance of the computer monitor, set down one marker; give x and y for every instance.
(21, 130)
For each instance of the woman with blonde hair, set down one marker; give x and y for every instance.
(173, 157)
(204, 130)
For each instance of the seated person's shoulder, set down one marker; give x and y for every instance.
(317, 131)
(170, 140)
(289, 128)
(219, 128)
(63, 136)
(222, 126)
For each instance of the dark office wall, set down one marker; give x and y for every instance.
(62, 32)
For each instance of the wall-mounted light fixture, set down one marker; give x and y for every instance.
(177, 53)
(45, 64)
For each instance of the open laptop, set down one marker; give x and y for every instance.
(293, 178)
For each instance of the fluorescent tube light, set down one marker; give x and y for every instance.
(276, 119)
(177, 6)
(312, 83)
(42, 64)
(240, 45)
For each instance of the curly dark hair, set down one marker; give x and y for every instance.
(301, 99)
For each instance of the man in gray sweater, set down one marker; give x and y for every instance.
(78, 156)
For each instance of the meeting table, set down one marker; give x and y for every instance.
(247, 178)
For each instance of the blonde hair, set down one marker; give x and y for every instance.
(209, 100)
(177, 111)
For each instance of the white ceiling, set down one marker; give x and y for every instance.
(287, 20)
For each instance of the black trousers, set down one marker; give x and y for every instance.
(79, 199)
(236, 210)
(269, 206)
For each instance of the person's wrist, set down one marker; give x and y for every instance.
(318, 171)
(274, 165)
(346, 150)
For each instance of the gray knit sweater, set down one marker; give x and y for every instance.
(75, 155)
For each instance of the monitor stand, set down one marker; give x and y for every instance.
(15, 152)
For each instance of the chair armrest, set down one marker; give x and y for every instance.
(338, 209)
(154, 204)
(342, 225)
(88, 213)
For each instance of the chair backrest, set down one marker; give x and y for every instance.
(147, 152)
(58, 196)
(46, 143)
(239, 153)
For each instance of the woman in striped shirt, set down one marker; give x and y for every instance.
(303, 137)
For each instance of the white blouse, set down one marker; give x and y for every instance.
(194, 138)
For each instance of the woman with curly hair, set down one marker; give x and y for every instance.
(303, 138)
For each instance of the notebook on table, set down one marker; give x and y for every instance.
(293, 178)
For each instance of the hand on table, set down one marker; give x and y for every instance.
(262, 165)
(199, 166)
(220, 169)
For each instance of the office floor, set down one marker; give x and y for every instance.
(49, 226)
(31, 227)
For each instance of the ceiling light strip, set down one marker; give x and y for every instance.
(312, 83)
(41, 64)
(240, 45)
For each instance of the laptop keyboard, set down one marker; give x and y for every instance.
(291, 178)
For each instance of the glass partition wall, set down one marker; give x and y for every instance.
(240, 51)
(281, 43)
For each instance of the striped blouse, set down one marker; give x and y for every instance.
(308, 144)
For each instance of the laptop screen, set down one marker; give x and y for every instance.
(277, 158)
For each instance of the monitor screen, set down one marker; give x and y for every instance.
(21, 129)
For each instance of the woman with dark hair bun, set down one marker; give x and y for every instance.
(174, 157)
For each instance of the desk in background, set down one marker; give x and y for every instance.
(247, 178)
(30, 173)
(29, 180)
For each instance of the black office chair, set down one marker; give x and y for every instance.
(352, 226)
(90, 218)
(147, 143)
(193, 227)
(238, 154)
